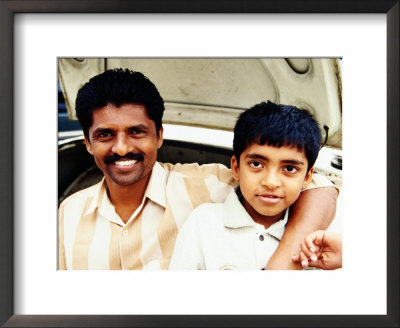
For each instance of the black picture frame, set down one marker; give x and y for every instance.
(11, 7)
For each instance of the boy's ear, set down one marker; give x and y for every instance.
(307, 178)
(235, 168)
(88, 146)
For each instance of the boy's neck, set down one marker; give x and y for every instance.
(265, 220)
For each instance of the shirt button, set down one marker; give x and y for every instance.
(261, 237)
(125, 233)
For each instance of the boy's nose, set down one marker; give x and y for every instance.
(122, 145)
(271, 181)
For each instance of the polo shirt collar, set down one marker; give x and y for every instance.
(278, 228)
(236, 216)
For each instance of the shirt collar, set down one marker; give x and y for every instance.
(157, 184)
(98, 192)
(236, 216)
(278, 228)
(155, 190)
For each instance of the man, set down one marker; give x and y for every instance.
(130, 219)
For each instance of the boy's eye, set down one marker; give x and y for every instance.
(290, 169)
(256, 164)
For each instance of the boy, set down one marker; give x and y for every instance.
(275, 148)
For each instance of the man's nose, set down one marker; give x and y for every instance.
(122, 145)
(271, 180)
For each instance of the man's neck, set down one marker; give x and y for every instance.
(126, 199)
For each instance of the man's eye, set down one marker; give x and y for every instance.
(137, 131)
(290, 169)
(104, 134)
(256, 164)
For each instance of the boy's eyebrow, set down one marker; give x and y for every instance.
(293, 161)
(285, 161)
(257, 156)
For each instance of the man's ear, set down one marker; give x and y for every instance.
(235, 168)
(88, 145)
(308, 178)
(160, 137)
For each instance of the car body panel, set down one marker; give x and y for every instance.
(212, 92)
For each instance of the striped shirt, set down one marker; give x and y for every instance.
(93, 237)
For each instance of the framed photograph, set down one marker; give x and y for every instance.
(34, 34)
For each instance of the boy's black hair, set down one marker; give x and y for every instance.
(277, 125)
(118, 87)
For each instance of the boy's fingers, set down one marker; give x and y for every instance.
(314, 240)
(315, 264)
(296, 258)
(319, 237)
(309, 244)
(303, 260)
(313, 258)
(305, 248)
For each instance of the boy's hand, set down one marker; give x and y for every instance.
(321, 249)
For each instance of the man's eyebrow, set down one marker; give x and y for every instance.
(139, 126)
(102, 130)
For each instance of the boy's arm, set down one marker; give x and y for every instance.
(313, 210)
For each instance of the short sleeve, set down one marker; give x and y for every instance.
(319, 181)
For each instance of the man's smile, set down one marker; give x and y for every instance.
(125, 162)
(127, 159)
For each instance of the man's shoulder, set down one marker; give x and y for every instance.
(81, 196)
(194, 170)
(193, 167)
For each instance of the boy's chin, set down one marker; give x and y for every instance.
(271, 213)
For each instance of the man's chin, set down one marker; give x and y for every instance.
(126, 181)
(128, 178)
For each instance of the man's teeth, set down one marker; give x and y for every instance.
(125, 163)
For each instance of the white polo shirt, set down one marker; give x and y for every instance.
(224, 237)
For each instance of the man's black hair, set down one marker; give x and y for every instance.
(118, 87)
(277, 125)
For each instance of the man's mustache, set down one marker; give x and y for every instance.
(115, 157)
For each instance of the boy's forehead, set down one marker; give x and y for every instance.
(271, 151)
(277, 145)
